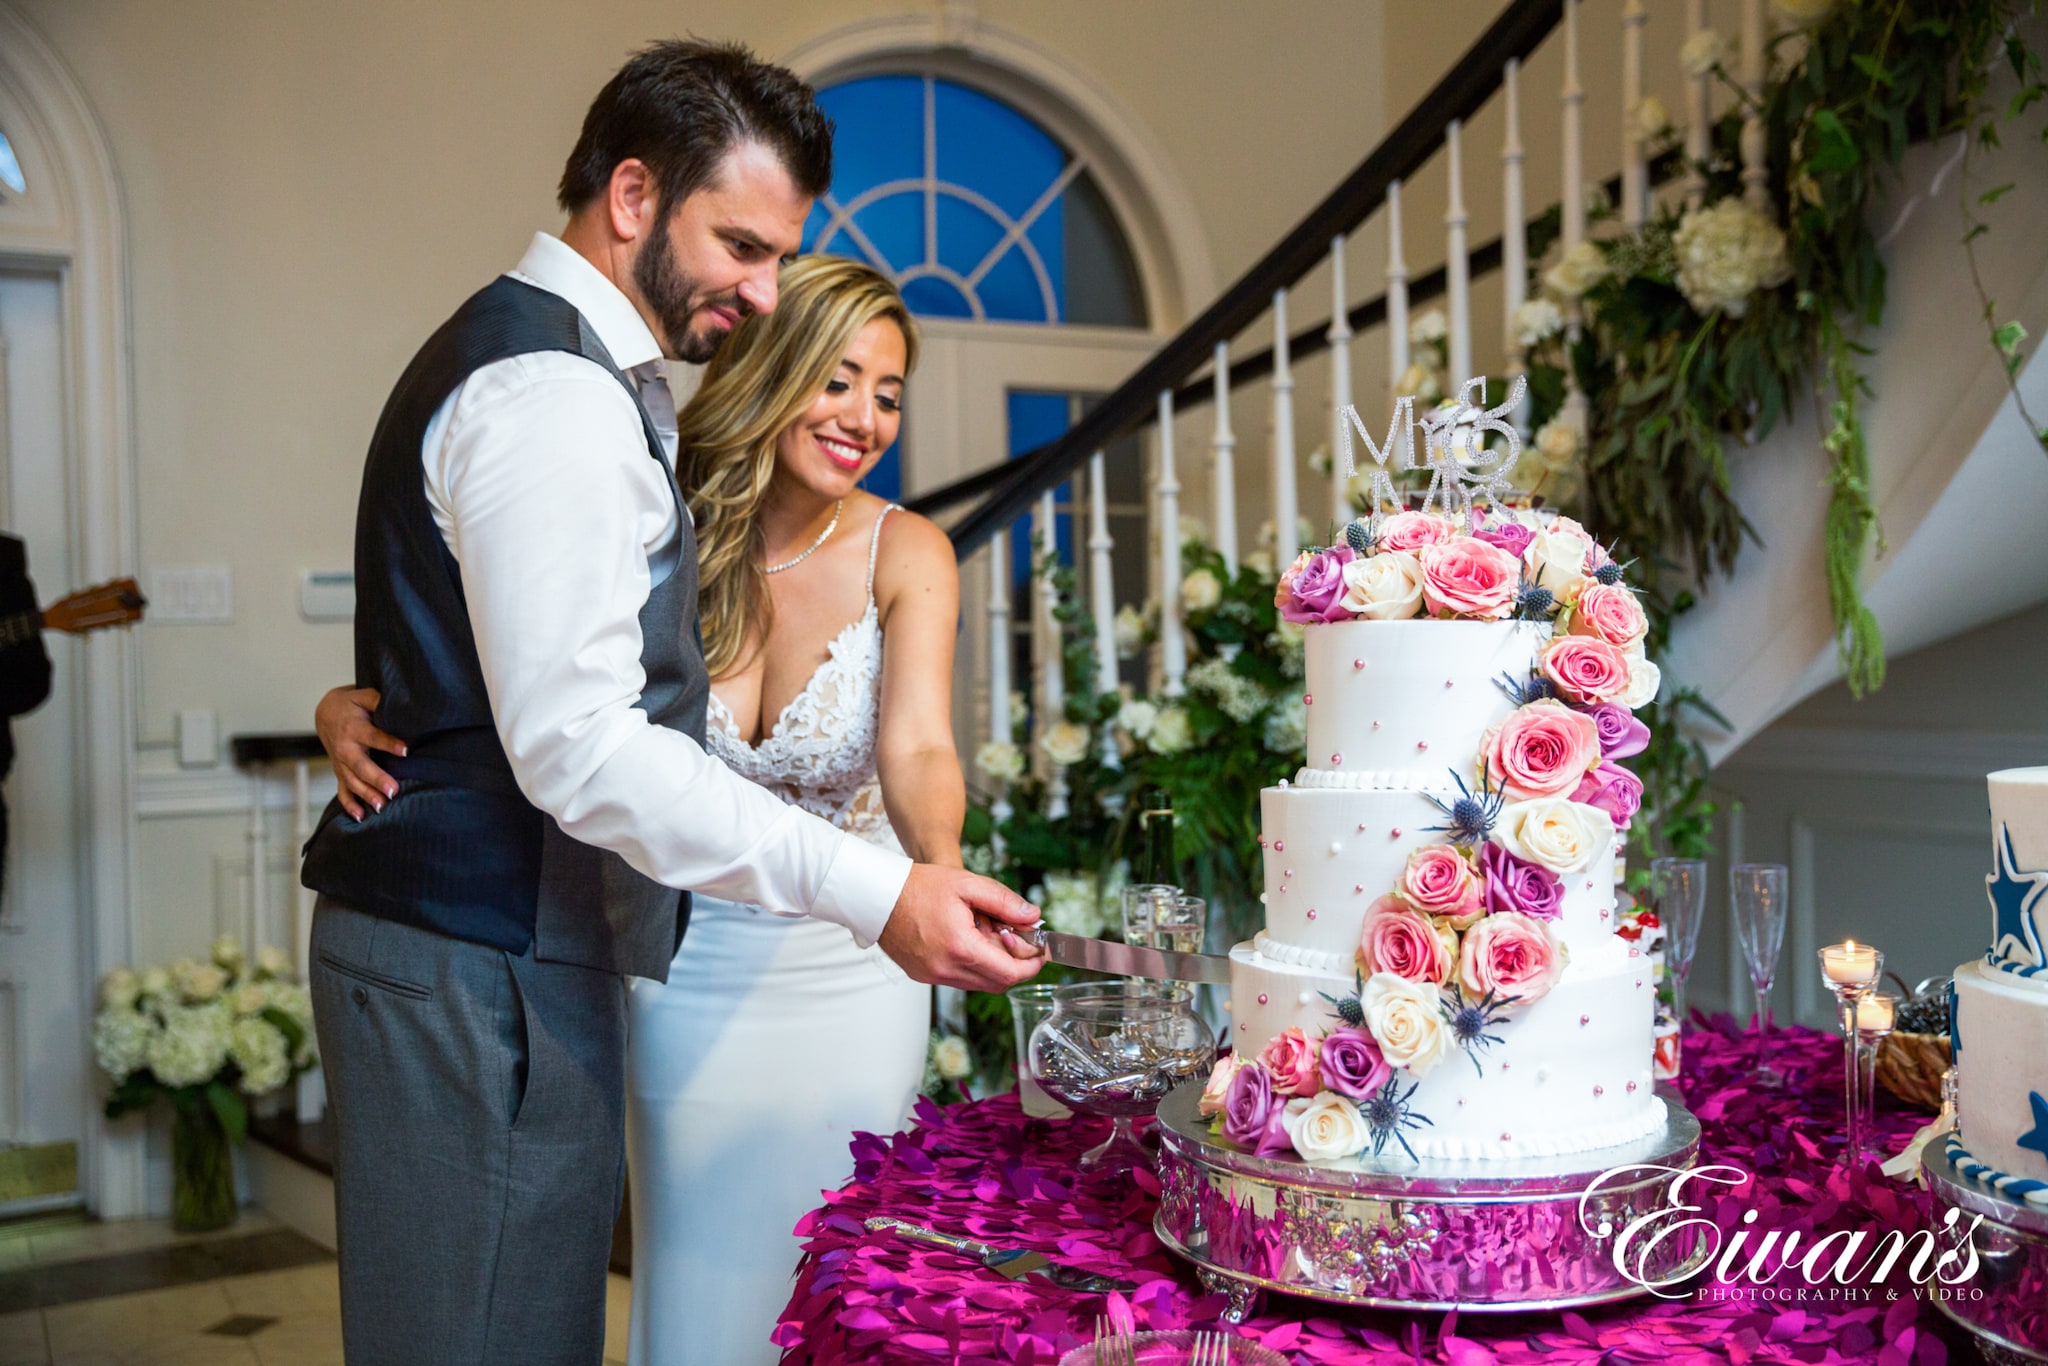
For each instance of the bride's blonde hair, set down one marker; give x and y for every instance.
(768, 372)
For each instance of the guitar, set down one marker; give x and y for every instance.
(109, 604)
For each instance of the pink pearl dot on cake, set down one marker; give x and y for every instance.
(1375, 725)
(1422, 744)
(1598, 1091)
(1357, 888)
(1635, 953)
(1336, 760)
(1262, 998)
(1631, 1088)
(1585, 1019)
(1243, 1025)
(1279, 846)
(1639, 981)
(1503, 1067)
(1506, 1137)
(1461, 1102)
(1288, 873)
(1395, 833)
(1358, 664)
(1311, 914)
(1308, 699)
(1450, 682)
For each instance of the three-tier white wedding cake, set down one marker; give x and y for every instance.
(1440, 970)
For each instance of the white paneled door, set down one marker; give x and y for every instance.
(46, 1080)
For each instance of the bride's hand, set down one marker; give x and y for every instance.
(939, 931)
(348, 735)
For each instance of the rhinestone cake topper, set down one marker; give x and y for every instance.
(1463, 469)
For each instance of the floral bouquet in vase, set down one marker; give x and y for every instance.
(210, 1035)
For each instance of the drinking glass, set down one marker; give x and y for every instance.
(1678, 893)
(1875, 1016)
(1758, 894)
(1143, 902)
(1029, 1004)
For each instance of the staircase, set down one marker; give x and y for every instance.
(1961, 487)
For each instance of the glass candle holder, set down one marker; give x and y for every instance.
(1030, 1004)
(1851, 970)
(1875, 1015)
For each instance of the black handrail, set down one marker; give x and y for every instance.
(1470, 83)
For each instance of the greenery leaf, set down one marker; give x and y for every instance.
(230, 1109)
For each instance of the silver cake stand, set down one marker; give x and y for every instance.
(1498, 1237)
(2005, 1305)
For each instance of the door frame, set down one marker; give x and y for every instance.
(71, 222)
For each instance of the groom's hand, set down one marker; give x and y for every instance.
(939, 931)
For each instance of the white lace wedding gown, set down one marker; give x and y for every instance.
(774, 1040)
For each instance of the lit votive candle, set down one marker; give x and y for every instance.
(1850, 964)
(1874, 1013)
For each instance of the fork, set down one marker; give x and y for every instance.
(1211, 1349)
(1113, 1345)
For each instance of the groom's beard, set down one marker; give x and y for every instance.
(674, 299)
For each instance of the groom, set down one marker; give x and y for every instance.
(526, 587)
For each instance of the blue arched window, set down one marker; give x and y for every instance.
(973, 209)
(10, 168)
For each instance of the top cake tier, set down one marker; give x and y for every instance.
(1400, 704)
(2018, 882)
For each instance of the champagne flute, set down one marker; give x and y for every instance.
(1678, 893)
(1758, 894)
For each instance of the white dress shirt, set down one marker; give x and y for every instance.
(540, 481)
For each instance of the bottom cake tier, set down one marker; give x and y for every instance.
(2001, 1058)
(1570, 1072)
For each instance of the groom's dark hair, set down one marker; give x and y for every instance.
(680, 106)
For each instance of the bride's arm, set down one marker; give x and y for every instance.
(917, 590)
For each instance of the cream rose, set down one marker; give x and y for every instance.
(1536, 322)
(1000, 760)
(1066, 743)
(1326, 1128)
(1406, 1020)
(1429, 328)
(1577, 271)
(1171, 733)
(1651, 119)
(1561, 835)
(1383, 587)
(1644, 679)
(273, 961)
(1556, 558)
(1200, 591)
(1700, 54)
(951, 1058)
(119, 988)
(1138, 716)
(198, 982)
(1130, 631)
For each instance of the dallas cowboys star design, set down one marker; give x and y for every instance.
(2036, 1138)
(2016, 895)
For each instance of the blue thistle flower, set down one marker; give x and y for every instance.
(1361, 537)
(1349, 1009)
(1611, 573)
(1386, 1114)
(1522, 692)
(1470, 1022)
(1470, 817)
(1533, 602)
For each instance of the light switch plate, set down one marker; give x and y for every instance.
(198, 738)
(327, 594)
(191, 594)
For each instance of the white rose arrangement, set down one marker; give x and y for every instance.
(1577, 271)
(229, 1027)
(1000, 761)
(1726, 253)
(1172, 732)
(1701, 53)
(1562, 835)
(1536, 321)
(1325, 1128)
(1406, 1019)
(1130, 632)
(1065, 743)
(1200, 591)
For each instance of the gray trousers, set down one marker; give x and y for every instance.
(478, 1101)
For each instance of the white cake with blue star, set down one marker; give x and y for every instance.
(1999, 1004)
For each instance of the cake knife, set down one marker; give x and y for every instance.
(1013, 1262)
(1131, 960)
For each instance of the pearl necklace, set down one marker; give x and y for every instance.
(823, 537)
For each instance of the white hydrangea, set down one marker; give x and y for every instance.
(1577, 271)
(1726, 252)
(192, 1045)
(258, 1049)
(198, 982)
(1290, 639)
(121, 1039)
(1557, 443)
(1136, 717)
(1071, 904)
(227, 953)
(1536, 322)
(1171, 733)
(119, 989)
(156, 982)
(1130, 631)
(1000, 760)
(1701, 53)
(1287, 727)
(272, 961)
(978, 858)
(1236, 697)
(952, 1058)
(249, 998)
(1427, 329)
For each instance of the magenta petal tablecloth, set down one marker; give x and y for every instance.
(985, 1171)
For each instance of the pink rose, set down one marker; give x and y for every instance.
(1611, 612)
(1412, 531)
(1218, 1087)
(1466, 577)
(1398, 939)
(1586, 669)
(1315, 590)
(1614, 790)
(1512, 537)
(1541, 750)
(1512, 955)
(1290, 1059)
(1438, 881)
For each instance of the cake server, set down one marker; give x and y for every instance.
(1131, 960)
(1013, 1262)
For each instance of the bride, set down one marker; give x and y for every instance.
(776, 1039)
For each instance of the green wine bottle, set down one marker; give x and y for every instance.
(1155, 826)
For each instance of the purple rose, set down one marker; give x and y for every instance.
(1251, 1112)
(1514, 884)
(1512, 537)
(1317, 588)
(1621, 735)
(1352, 1065)
(1614, 790)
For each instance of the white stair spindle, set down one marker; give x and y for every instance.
(1754, 172)
(1046, 652)
(1698, 114)
(1286, 507)
(1458, 262)
(1102, 587)
(1397, 292)
(257, 908)
(1340, 381)
(999, 652)
(1173, 654)
(1514, 232)
(1635, 166)
(1223, 467)
(1574, 190)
